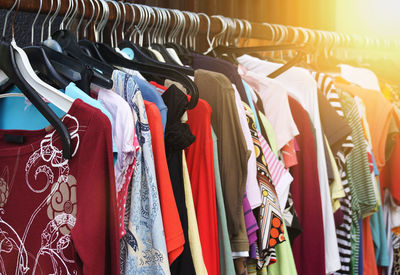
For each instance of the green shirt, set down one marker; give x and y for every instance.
(225, 251)
(358, 174)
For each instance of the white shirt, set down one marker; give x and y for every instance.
(362, 77)
(301, 85)
(123, 132)
(252, 188)
(276, 105)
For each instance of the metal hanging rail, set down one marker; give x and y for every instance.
(214, 25)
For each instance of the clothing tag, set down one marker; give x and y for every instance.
(17, 139)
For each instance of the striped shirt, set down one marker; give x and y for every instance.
(328, 89)
(359, 177)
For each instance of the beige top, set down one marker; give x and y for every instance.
(336, 186)
(194, 237)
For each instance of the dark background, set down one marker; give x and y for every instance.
(305, 13)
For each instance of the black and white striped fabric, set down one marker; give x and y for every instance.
(327, 88)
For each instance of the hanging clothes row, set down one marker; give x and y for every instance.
(147, 156)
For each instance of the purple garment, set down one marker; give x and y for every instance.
(339, 218)
(253, 251)
(221, 66)
(250, 221)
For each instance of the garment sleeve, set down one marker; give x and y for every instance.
(217, 90)
(334, 127)
(95, 234)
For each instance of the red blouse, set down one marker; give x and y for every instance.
(59, 216)
(174, 237)
(200, 162)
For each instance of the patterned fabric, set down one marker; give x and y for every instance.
(143, 249)
(280, 177)
(270, 217)
(359, 177)
(327, 88)
(396, 254)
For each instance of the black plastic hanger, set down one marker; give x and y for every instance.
(165, 54)
(302, 50)
(291, 63)
(101, 72)
(41, 63)
(9, 67)
(116, 59)
(69, 67)
(183, 53)
(267, 48)
(149, 54)
(68, 43)
(91, 49)
(141, 57)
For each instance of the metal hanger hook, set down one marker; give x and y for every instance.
(81, 19)
(36, 17)
(123, 20)
(90, 19)
(7, 16)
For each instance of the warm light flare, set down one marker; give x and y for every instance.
(370, 17)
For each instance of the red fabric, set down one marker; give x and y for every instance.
(389, 176)
(289, 154)
(49, 195)
(173, 231)
(369, 260)
(160, 88)
(308, 248)
(122, 195)
(201, 171)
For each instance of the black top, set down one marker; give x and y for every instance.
(177, 138)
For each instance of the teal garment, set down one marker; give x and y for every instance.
(73, 91)
(379, 236)
(378, 230)
(250, 99)
(225, 251)
(17, 113)
(12, 117)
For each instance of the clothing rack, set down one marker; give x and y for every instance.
(261, 31)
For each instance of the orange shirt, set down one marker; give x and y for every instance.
(379, 111)
(369, 260)
(174, 237)
(390, 177)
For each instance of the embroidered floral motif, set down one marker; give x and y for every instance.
(63, 201)
(53, 244)
(47, 176)
(4, 192)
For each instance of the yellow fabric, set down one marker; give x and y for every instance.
(336, 186)
(270, 132)
(386, 91)
(194, 238)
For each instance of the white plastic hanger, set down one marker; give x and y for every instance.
(48, 92)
